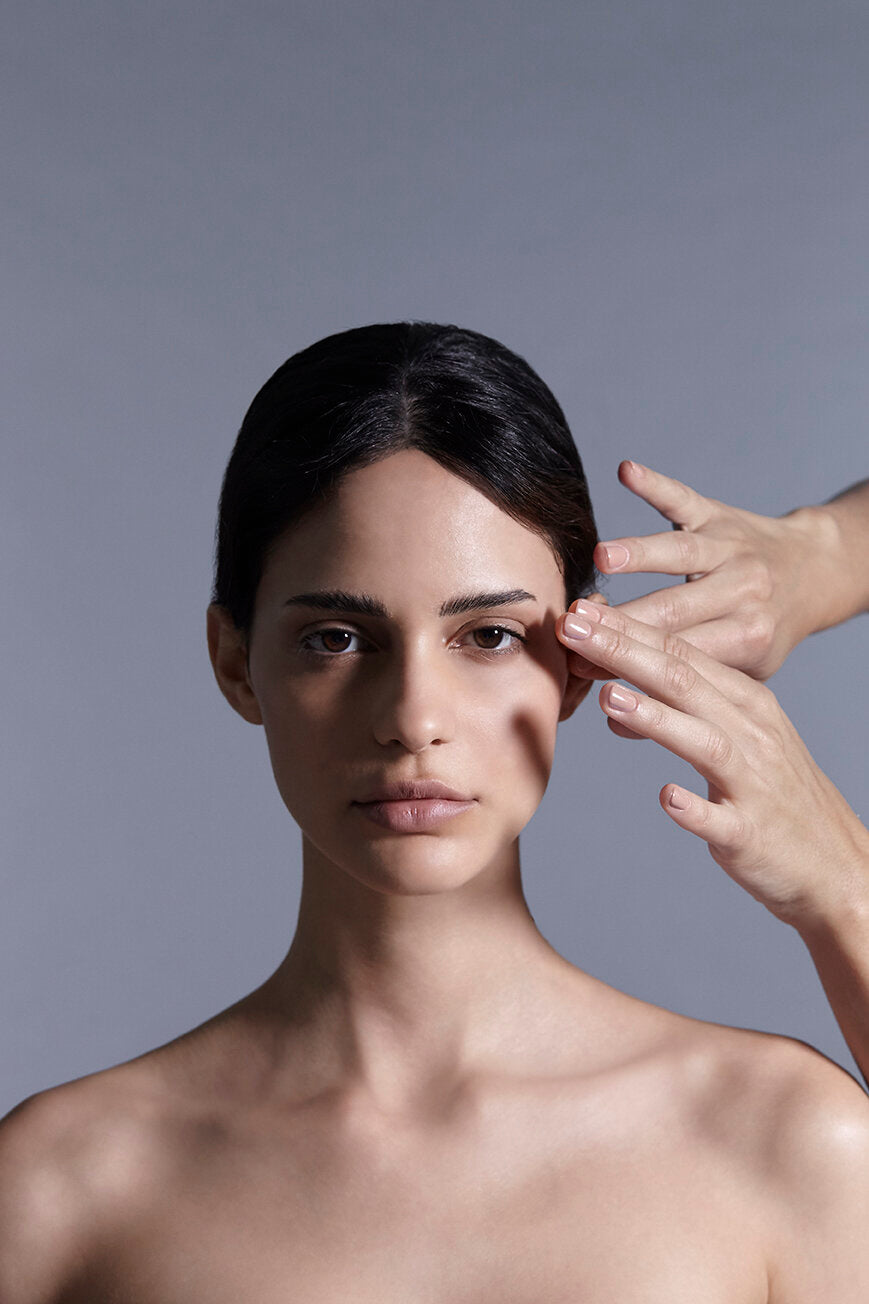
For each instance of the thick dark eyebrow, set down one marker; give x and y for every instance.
(362, 604)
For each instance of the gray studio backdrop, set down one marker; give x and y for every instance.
(663, 206)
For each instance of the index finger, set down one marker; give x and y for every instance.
(671, 553)
(676, 501)
(736, 687)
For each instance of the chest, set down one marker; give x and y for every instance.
(550, 1217)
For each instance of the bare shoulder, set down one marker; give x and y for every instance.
(816, 1167)
(70, 1156)
(44, 1220)
(797, 1125)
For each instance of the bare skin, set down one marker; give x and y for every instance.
(759, 584)
(425, 1102)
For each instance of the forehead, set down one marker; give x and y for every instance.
(407, 520)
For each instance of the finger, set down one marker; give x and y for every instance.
(673, 499)
(628, 648)
(702, 744)
(622, 730)
(744, 642)
(678, 552)
(712, 597)
(584, 669)
(697, 574)
(578, 665)
(717, 824)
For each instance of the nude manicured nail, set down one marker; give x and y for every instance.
(574, 628)
(679, 800)
(616, 555)
(622, 699)
(590, 610)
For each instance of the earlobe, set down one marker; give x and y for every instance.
(228, 653)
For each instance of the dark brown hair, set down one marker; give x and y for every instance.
(352, 398)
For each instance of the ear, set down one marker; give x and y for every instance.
(228, 652)
(575, 691)
(598, 597)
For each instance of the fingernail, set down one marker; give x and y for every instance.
(616, 555)
(591, 610)
(622, 699)
(679, 800)
(574, 628)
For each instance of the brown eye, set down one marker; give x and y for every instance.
(332, 636)
(497, 632)
(333, 643)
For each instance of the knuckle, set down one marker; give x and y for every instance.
(670, 608)
(619, 645)
(757, 581)
(763, 735)
(705, 817)
(719, 748)
(759, 630)
(687, 550)
(742, 691)
(674, 646)
(732, 836)
(740, 831)
(764, 703)
(681, 679)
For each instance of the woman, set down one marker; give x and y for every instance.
(425, 1101)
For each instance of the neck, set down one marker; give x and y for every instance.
(390, 995)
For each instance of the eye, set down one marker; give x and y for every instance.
(333, 653)
(500, 630)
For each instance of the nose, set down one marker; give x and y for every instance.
(414, 701)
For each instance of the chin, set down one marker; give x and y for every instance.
(407, 864)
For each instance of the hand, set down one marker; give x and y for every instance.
(759, 583)
(773, 820)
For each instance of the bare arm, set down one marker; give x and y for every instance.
(772, 819)
(838, 942)
(759, 584)
(848, 575)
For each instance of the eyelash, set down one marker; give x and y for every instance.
(491, 653)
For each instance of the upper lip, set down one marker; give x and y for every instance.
(407, 790)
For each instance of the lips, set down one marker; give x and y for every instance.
(410, 790)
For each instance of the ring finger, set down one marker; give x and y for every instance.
(704, 745)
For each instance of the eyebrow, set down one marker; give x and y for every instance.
(363, 604)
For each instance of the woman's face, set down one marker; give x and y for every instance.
(350, 701)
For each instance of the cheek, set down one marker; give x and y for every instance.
(518, 735)
(302, 747)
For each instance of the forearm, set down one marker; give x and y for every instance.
(841, 544)
(839, 948)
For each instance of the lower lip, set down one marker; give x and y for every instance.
(407, 816)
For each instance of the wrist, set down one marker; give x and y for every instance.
(831, 572)
(842, 914)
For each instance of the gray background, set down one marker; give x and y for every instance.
(661, 205)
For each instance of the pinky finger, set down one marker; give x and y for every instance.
(713, 823)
